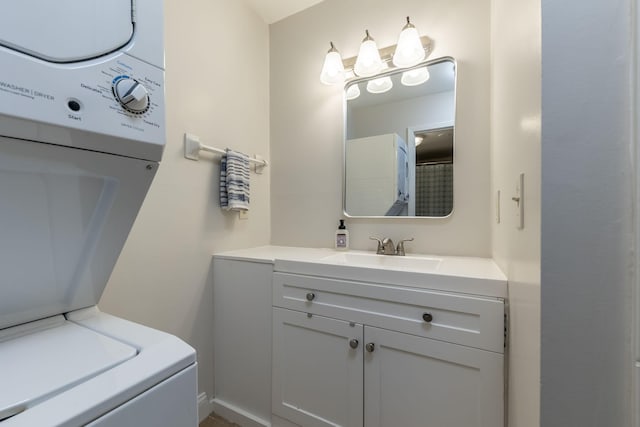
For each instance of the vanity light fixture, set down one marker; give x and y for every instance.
(415, 77)
(333, 68)
(419, 140)
(368, 62)
(409, 50)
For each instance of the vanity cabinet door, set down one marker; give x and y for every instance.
(317, 370)
(418, 382)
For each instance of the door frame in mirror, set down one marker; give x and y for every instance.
(411, 151)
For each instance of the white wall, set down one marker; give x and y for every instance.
(307, 123)
(515, 149)
(217, 86)
(587, 229)
(431, 110)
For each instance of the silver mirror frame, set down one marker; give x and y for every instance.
(391, 72)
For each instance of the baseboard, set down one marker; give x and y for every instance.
(276, 421)
(237, 415)
(204, 406)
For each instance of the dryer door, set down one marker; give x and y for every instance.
(66, 30)
(64, 217)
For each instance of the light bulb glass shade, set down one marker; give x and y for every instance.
(381, 85)
(415, 77)
(353, 92)
(419, 140)
(409, 50)
(333, 69)
(368, 62)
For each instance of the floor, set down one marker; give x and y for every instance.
(214, 420)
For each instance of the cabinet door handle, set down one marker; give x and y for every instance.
(427, 317)
(311, 296)
(370, 347)
(354, 343)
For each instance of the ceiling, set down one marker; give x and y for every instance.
(275, 10)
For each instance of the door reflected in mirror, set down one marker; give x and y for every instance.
(398, 148)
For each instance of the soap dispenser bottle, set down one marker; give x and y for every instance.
(342, 237)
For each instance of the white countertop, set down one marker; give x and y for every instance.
(269, 254)
(478, 276)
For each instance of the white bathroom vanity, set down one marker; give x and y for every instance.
(313, 337)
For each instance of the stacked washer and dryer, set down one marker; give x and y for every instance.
(82, 130)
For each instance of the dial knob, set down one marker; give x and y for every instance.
(132, 95)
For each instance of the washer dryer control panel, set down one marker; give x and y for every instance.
(118, 96)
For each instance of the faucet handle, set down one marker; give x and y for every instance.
(400, 248)
(380, 250)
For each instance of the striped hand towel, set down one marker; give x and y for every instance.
(234, 181)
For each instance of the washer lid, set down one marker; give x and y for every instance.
(47, 357)
(66, 30)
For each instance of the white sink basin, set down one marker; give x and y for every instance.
(477, 276)
(410, 263)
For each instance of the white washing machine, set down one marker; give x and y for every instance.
(82, 130)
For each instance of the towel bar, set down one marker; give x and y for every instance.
(193, 146)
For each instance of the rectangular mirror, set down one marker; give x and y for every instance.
(399, 138)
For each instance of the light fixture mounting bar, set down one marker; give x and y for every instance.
(386, 54)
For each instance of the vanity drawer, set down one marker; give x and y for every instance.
(458, 318)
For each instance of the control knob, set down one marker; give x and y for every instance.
(132, 95)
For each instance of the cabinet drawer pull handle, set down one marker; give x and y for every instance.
(427, 317)
(354, 343)
(311, 296)
(370, 347)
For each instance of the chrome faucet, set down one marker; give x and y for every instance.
(385, 246)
